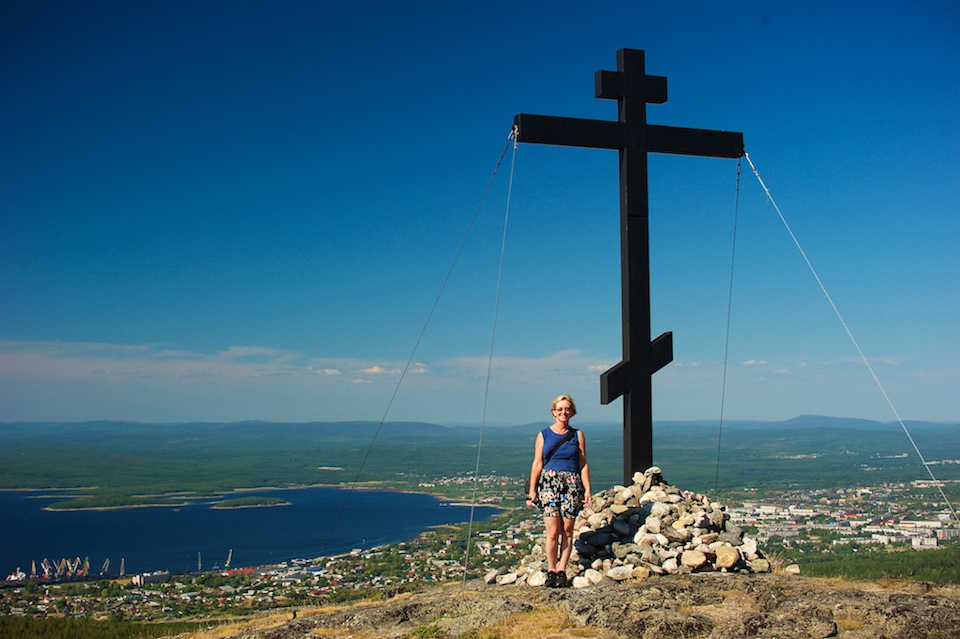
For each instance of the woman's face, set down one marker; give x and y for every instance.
(563, 411)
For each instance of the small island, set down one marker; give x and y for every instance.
(251, 502)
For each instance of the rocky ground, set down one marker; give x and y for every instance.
(650, 561)
(698, 605)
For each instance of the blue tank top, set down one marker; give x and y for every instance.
(567, 456)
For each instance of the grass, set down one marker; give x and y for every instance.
(540, 622)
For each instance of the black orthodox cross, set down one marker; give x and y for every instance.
(634, 138)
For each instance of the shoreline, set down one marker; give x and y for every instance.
(282, 503)
(366, 486)
(431, 503)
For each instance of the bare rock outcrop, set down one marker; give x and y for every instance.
(710, 605)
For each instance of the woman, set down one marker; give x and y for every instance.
(560, 486)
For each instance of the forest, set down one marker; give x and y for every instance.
(936, 566)
(115, 464)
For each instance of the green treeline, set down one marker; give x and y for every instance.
(56, 628)
(132, 464)
(938, 566)
(115, 498)
(248, 502)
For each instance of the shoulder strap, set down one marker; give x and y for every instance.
(566, 438)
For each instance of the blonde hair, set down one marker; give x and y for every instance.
(561, 398)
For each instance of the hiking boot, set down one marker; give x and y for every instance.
(562, 580)
(551, 580)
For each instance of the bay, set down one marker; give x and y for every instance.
(320, 521)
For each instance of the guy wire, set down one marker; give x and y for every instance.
(856, 345)
(416, 345)
(726, 339)
(486, 386)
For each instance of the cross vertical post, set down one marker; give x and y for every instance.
(630, 134)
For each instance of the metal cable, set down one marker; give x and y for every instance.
(416, 346)
(486, 387)
(856, 345)
(726, 338)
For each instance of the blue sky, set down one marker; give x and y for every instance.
(245, 210)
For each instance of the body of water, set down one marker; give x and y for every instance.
(170, 538)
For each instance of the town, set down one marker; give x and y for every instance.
(793, 525)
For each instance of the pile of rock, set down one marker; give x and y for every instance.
(647, 528)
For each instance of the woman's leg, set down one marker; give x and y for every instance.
(554, 534)
(566, 543)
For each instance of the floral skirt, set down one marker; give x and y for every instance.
(560, 493)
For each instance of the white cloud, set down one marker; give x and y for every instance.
(380, 370)
(254, 352)
(73, 381)
(600, 368)
(375, 370)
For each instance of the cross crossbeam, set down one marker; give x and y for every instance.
(630, 134)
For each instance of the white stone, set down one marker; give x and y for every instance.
(670, 566)
(620, 573)
(660, 509)
(593, 576)
(491, 576)
(509, 578)
(727, 557)
(760, 565)
(581, 582)
(645, 539)
(537, 579)
(792, 569)
(693, 558)
(652, 524)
